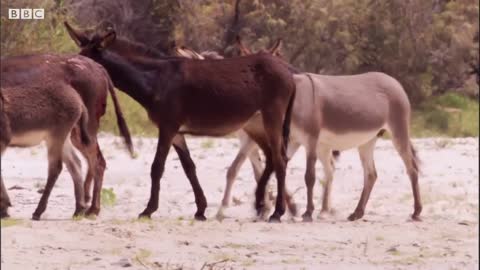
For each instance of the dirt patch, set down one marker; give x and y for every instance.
(384, 239)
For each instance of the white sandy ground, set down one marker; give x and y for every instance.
(384, 239)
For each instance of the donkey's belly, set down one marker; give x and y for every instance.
(216, 126)
(345, 140)
(217, 131)
(29, 139)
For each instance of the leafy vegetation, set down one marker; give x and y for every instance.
(108, 197)
(448, 115)
(430, 46)
(8, 222)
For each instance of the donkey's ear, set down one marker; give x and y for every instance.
(243, 49)
(180, 51)
(107, 40)
(105, 26)
(79, 37)
(276, 47)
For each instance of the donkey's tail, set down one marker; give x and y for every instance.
(286, 123)
(122, 125)
(84, 135)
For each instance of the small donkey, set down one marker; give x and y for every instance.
(91, 81)
(29, 116)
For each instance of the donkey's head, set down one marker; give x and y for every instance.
(274, 50)
(104, 37)
(92, 45)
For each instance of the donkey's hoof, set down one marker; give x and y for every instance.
(92, 211)
(200, 217)
(306, 217)
(275, 218)
(259, 206)
(355, 215)
(324, 214)
(292, 208)
(144, 215)
(78, 216)
(4, 213)
(220, 216)
(35, 217)
(260, 211)
(416, 218)
(79, 212)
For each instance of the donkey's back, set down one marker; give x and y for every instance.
(34, 116)
(88, 78)
(352, 109)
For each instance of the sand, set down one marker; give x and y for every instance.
(384, 239)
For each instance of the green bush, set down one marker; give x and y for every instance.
(447, 115)
(453, 100)
(430, 46)
(135, 115)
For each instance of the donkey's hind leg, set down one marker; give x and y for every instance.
(246, 150)
(273, 130)
(325, 156)
(407, 152)
(256, 162)
(99, 167)
(181, 148)
(291, 205)
(369, 177)
(74, 167)
(261, 205)
(87, 153)
(310, 181)
(55, 148)
(246, 146)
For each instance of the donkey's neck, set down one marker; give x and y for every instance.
(123, 46)
(135, 82)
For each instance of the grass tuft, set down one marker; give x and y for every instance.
(449, 115)
(9, 222)
(108, 197)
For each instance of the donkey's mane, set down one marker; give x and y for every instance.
(129, 70)
(136, 47)
(211, 55)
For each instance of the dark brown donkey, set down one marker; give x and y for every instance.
(30, 115)
(208, 98)
(91, 81)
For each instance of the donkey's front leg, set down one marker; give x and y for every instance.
(164, 141)
(310, 183)
(181, 148)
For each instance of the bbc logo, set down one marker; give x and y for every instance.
(26, 13)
